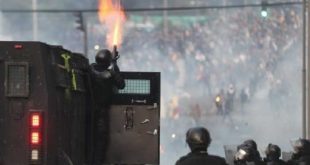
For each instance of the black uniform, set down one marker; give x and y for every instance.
(200, 158)
(276, 162)
(300, 160)
(105, 81)
(243, 162)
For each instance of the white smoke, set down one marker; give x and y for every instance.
(199, 56)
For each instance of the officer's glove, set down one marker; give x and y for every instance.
(105, 74)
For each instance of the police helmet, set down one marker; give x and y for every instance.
(302, 146)
(104, 56)
(273, 152)
(247, 151)
(198, 138)
(250, 143)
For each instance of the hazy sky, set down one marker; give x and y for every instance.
(90, 4)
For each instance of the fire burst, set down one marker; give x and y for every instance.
(113, 16)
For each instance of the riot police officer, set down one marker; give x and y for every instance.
(273, 153)
(198, 140)
(301, 153)
(103, 75)
(247, 153)
(105, 81)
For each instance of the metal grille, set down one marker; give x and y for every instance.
(17, 80)
(136, 86)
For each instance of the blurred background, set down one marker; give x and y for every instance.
(233, 66)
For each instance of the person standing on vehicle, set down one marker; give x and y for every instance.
(105, 82)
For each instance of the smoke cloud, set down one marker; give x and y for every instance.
(199, 53)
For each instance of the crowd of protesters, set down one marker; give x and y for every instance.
(202, 58)
(246, 58)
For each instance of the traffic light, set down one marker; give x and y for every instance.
(264, 12)
(79, 21)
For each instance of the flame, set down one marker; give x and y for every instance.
(116, 33)
(218, 99)
(113, 16)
